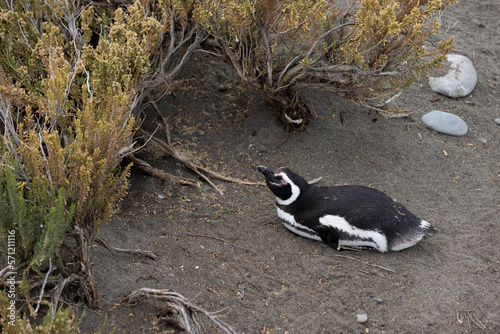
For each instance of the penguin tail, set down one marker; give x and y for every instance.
(427, 228)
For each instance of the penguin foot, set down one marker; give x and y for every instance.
(356, 248)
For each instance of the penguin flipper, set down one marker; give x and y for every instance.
(329, 236)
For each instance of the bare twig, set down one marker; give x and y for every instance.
(56, 293)
(149, 254)
(185, 309)
(164, 121)
(5, 272)
(195, 168)
(219, 239)
(316, 180)
(469, 315)
(157, 173)
(364, 262)
(320, 38)
(269, 54)
(43, 286)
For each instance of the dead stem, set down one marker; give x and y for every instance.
(149, 254)
(159, 174)
(193, 167)
(364, 262)
(470, 316)
(185, 310)
(57, 291)
(219, 239)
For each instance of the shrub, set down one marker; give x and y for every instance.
(71, 79)
(39, 223)
(62, 323)
(367, 51)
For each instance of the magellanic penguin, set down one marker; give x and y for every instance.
(349, 217)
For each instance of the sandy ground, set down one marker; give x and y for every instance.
(231, 252)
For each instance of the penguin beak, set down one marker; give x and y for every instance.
(269, 174)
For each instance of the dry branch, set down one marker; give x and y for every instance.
(129, 251)
(364, 262)
(159, 174)
(179, 157)
(195, 168)
(185, 309)
(174, 153)
(219, 239)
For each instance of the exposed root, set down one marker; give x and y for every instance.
(291, 113)
(179, 157)
(177, 306)
(129, 251)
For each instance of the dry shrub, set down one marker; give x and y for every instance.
(367, 50)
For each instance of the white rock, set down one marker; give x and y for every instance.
(497, 121)
(362, 318)
(459, 77)
(444, 122)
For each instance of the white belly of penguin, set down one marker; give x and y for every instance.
(364, 237)
(290, 223)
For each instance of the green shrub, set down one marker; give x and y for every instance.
(62, 323)
(38, 223)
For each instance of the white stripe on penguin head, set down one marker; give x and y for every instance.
(295, 191)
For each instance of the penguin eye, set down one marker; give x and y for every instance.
(280, 178)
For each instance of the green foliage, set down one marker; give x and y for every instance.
(62, 323)
(102, 330)
(39, 229)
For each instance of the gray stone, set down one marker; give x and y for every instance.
(456, 78)
(444, 122)
(497, 121)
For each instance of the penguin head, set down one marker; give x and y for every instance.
(285, 184)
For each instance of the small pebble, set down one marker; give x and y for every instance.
(497, 121)
(444, 122)
(483, 140)
(362, 318)
(456, 79)
(377, 300)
